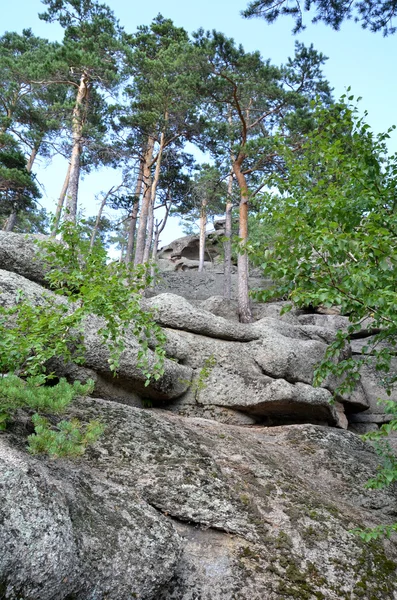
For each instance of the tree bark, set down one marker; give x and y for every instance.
(143, 217)
(203, 225)
(134, 215)
(10, 222)
(32, 158)
(227, 278)
(61, 201)
(77, 134)
(244, 308)
(153, 191)
(159, 227)
(99, 215)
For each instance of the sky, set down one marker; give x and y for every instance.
(357, 58)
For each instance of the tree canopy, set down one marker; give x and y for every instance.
(375, 15)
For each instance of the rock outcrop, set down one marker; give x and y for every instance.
(259, 373)
(240, 483)
(168, 508)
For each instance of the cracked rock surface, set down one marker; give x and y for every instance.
(172, 508)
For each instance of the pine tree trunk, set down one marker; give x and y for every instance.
(143, 217)
(77, 133)
(32, 158)
(61, 201)
(203, 225)
(134, 216)
(10, 222)
(153, 191)
(99, 215)
(244, 308)
(227, 280)
(159, 227)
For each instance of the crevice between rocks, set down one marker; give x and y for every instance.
(188, 521)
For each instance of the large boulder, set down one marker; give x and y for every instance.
(130, 385)
(171, 508)
(184, 252)
(264, 369)
(263, 372)
(67, 532)
(20, 254)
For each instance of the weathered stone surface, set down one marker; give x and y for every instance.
(12, 283)
(263, 371)
(269, 378)
(177, 313)
(170, 508)
(19, 254)
(187, 247)
(200, 286)
(371, 418)
(65, 532)
(131, 379)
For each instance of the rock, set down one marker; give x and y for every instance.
(175, 380)
(66, 532)
(11, 284)
(172, 508)
(188, 248)
(220, 307)
(19, 253)
(200, 286)
(263, 371)
(362, 428)
(177, 313)
(379, 418)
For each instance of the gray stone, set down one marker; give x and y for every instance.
(175, 312)
(172, 508)
(362, 428)
(200, 286)
(67, 532)
(374, 390)
(174, 381)
(371, 418)
(11, 284)
(19, 253)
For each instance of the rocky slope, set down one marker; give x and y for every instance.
(198, 498)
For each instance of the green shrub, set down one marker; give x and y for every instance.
(31, 334)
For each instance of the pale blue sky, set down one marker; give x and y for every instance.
(357, 58)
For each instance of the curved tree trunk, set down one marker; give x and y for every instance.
(10, 222)
(32, 157)
(227, 280)
(159, 227)
(244, 308)
(99, 215)
(61, 201)
(153, 191)
(134, 216)
(143, 217)
(77, 135)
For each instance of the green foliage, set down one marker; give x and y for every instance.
(33, 333)
(68, 438)
(200, 383)
(334, 236)
(18, 189)
(16, 393)
(375, 15)
(111, 291)
(333, 242)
